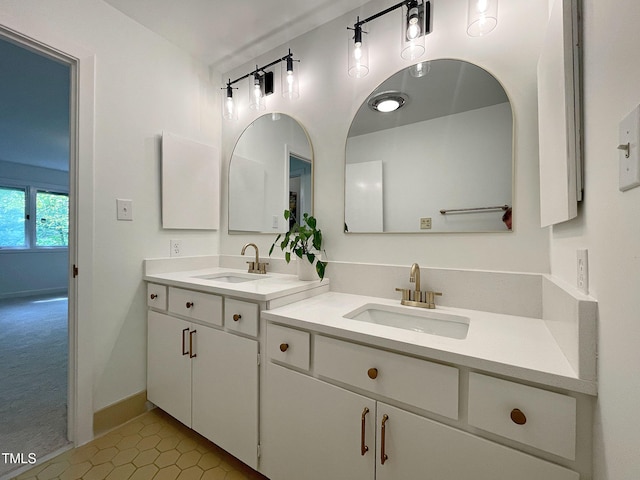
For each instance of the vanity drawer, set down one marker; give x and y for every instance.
(288, 346)
(196, 305)
(156, 296)
(241, 316)
(426, 385)
(541, 419)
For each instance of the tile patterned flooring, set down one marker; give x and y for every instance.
(153, 446)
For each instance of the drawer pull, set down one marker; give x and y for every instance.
(383, 455)
(284, 347)
(191, 354)
(518, 417)
(373, 373)
(153, 296)
(236, 317)
(189, 304)
(183, 342)
(363, 448)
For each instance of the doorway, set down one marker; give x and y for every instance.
(36, 204)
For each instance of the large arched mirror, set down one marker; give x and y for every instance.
(441, 162)
(271, 170)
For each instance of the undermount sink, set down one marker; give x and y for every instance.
(423, 321)
(228, 277)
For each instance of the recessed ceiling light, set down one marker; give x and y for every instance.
(386, 102)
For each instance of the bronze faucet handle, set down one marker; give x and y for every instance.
(405, 293)
(431, 300)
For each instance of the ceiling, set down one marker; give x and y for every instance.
(226, 34)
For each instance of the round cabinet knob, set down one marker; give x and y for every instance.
(373, 373)
(189, 304)
(236, 317)
(153, 296)
(284, 347)
(518, 417)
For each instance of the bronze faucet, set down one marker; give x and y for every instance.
(257, 266)
(420, 298)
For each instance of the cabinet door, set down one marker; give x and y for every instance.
(417, 447)
(313, 430)
(225, 392)
(168, 365)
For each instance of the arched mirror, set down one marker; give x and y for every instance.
(271, 170)
(442, 161)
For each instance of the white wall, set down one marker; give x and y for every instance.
(608, 224)
(465, 161)
(143, 85)
(329, 99)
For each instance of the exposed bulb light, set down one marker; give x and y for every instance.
(290, 84)
(256, 99)
(229, 110)
(358, 54)
(482, 17)
(413, 28)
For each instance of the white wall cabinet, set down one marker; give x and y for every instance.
(203, 376)
(314, 429)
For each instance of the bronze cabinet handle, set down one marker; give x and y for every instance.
(189, 304)
(383, 455)
(284, 347)
(373, 373)
(191, 354)
(518, 417)
(236, 317)
(183, 341)
(153, 296)
(363, 448)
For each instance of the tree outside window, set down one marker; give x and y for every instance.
(32, 218)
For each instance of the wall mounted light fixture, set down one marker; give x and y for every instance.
(482, 17)
(416, 24)
(261, 86)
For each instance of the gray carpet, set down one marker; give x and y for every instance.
(33, 376)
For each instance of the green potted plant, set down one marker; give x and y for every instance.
(303, 240)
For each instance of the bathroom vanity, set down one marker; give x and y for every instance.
(203, 349)
(354, 398)
(297, 381)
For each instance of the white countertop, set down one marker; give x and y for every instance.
(265, 287)
(519, 347)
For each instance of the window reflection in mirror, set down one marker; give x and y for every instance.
(448, 147)
(271, 170)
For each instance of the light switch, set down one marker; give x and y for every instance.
(125, 209)
(629, 151)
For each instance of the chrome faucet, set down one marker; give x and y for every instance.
(416, 297)
(257, 266)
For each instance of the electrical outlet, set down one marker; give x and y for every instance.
(124, 209)
(175, 248)
(274, 221)
(425, 223)
(583, 271)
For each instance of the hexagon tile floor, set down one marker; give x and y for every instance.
(153, 446)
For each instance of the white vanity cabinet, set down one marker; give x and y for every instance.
(346, 417)
(202, 375)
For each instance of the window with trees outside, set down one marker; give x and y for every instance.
(32, 218)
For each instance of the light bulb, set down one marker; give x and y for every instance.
(387, 106)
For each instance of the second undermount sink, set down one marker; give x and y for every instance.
(423, 321)
(232, 277)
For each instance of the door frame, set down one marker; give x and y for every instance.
(37, 36)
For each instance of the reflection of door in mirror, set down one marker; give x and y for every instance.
(260, 169)
(445, 154)
(300, 187)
